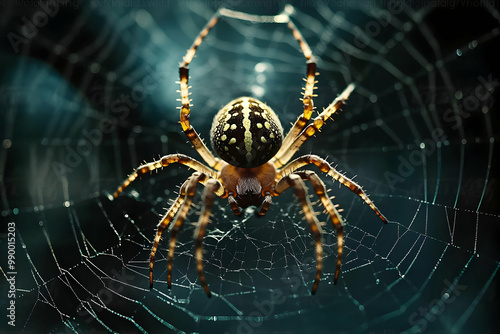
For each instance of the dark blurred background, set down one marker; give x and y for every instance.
(88, 92)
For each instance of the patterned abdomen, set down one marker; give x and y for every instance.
(246, 133)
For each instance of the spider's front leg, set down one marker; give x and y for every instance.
(185, 108)
(287, 152)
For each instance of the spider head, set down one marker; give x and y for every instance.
(246, 133)
(249, 185)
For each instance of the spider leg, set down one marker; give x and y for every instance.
(320, 189)
(208, 199)
(190, 191)
(294, 180)
(307, 100)
(325, 167)
(308, 95)
(163, 225)
(188, 129)
(284, 155)
(164, 162)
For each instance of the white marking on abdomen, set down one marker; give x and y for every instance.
(247, 125)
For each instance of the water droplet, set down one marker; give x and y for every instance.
(111, 76)
(472, 44)
(262, 67)
(7, 143)
(258, 91)
(95, 67)
(143, 18)
(261, 78)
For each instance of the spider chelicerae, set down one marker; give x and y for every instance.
(253, 158)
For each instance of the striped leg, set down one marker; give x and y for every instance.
(325, 167)
(308, 95)
(285, 154)
(164, 162)
(188, 129)
(190, 191)
(184, 78)
(320, 189)
(163, 225)
(208, 198)
(294, 180)
(182, 202)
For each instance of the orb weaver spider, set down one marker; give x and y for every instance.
(253, 158)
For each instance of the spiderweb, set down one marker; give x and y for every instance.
(88, 92)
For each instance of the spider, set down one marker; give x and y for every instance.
(253, 158)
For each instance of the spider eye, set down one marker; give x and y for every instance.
(246, 133)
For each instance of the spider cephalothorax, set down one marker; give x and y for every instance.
(254, 159)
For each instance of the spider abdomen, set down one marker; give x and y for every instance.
(246, 133)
